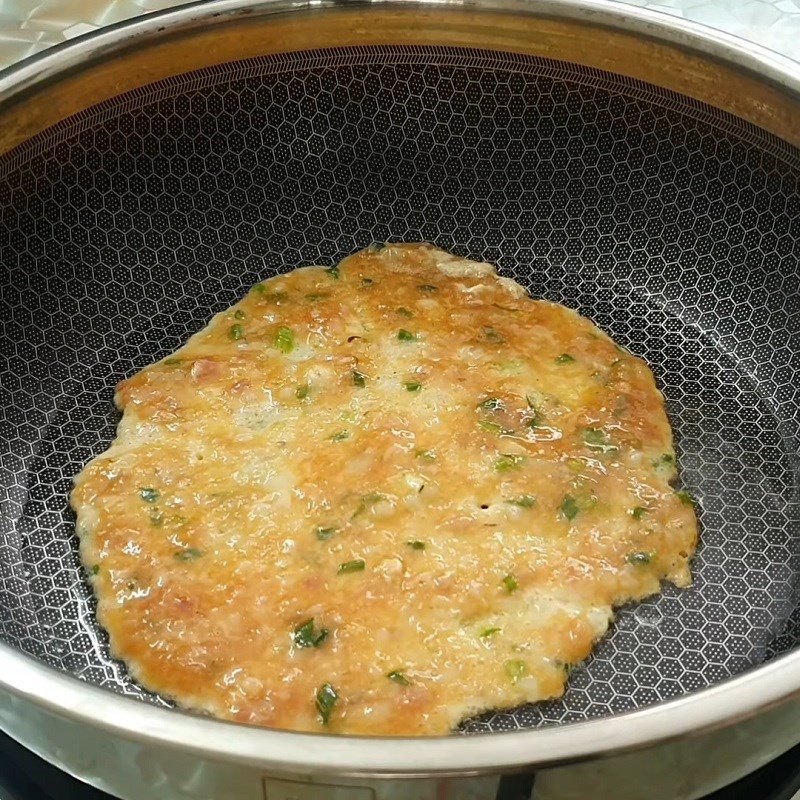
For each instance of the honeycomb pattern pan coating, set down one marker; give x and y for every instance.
(674, 227)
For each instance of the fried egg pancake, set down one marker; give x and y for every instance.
(380, 498)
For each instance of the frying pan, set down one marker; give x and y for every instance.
(643, 172)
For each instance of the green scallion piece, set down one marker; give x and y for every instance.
(486, 632)
(323, 534)
(404, 312)
(172, 361)
(302, 391)
(511, 584)
(685, 498)
(597, 439)
(306, 635)
(638, 512)
(515, 669)
(359, 379)
(188, 554)
(333, 272)
(367, 281)
(639, 557)
(395, 676)
(509, 461)
(523, 501)
(236, 332)
(357, 565)
(149, 495)
(427, 287)
(340, 436)
(266, 294)
(493, 427)
(95, 569)
(314, 296)
(412, 386)
(415, 544)
(238, 314)
(564, 358)
(406, 336)
(284, 340)
(569, 507)
(367, 501)
(492, 404)
(326, 699)
(426, 455)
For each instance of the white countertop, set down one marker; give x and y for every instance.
(29, 26)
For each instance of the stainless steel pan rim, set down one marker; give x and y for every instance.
(761, 61)
(731, 701)
(280, 751)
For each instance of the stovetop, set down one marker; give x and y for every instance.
(24, 776)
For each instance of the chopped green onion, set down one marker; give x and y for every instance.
(412, 386)
(639, 557)
(189, 554)
(569, 507)
(236, 332)
(575, 465)
(323, 534)
(340, 436)
(486, 632)
(493, 336)
(685, 498)
(509, 461)
(95, 569)
(359, 379)
(326, 700)
(404, 312)
(284, 340)
(664, 460)
(565, 358)
(406, 336)
(427, 287)
(172, 361)
(534, 416)
(515, 669)
(333, 272)
(149, 495)
(597, 439)
(426, 455)
(491, 404)
(357, 565)
(302, 391)
(367, 281)
(523, 501)
(305, 635)
(493, 427)
(266, 294)
(511, 584)
(397, 677)
(367, 501)
(238, 314)
(638, 512)
(314, 296)
(416, 544)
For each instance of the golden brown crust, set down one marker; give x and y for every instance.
(499, 465)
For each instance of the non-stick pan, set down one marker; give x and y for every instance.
(647, 176)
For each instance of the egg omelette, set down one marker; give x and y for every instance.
(379, 498)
